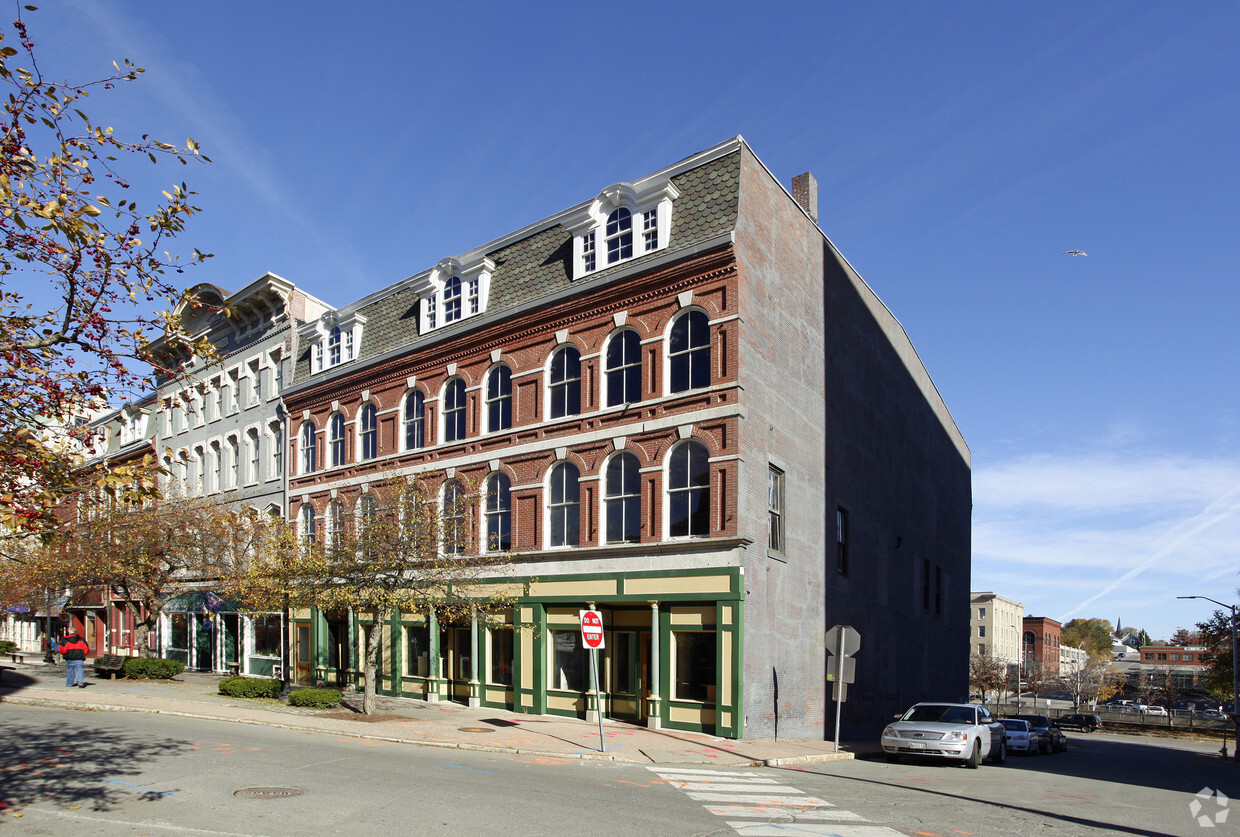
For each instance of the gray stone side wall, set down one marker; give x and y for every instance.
(781, 371)
(897, 463)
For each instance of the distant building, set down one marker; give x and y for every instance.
(1173, 667)
(1040, 643)
(995, 626)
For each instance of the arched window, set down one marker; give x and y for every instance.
(364, 516)
(688, 493)
(689, 352)
(452, 300)
(565, 505)
(333, 347)
(624, 368)
(499, 398)
(499, 513)
(415, 420)
(305, 525)
(454, 410)
(453, 528)
(336, 439)
(335, 523)
(309, 445)
(370, 432)
(622, 500)
(565, 382)
(619, 235)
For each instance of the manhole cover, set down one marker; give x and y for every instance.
(267, 793)
(474, 729)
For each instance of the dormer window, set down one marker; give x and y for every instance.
(454, 290)
(626, 221)
(335, 339)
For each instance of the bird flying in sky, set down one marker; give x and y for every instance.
(1076, 253)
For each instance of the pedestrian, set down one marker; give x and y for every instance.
(73, 648)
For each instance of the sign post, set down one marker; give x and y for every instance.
(842, 642)
(592, 638)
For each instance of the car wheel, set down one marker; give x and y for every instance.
(1064, 749)
(1001, 756)
(1033, 751)
(892, 758)
(976, 757)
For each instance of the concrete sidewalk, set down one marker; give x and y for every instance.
(411, 721)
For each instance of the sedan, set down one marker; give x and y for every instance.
(1021, 736)
(1053, 739)
(964, 732)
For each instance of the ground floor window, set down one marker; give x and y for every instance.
(267, 636)
(695, 665)
(464, 653)
(417, 651)
(501, 657)
(178, 630)
(568, 669)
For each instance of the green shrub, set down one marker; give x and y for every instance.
(315, 698)
(7, 646)
(151, 668)
(250, 687)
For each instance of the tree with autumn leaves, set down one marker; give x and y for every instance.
(402, 550)
(85, 279)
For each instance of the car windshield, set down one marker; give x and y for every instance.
(940, 714)
(1017, 726)
(1037, 721)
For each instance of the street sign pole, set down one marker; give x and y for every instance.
(592, 638)
(598, 700)
(842, 642)
(839, 685)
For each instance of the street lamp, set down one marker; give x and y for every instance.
(1235, 671)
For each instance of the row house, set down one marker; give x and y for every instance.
(677, 404)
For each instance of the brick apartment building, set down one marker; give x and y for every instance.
(678, 403)
(1040, 643)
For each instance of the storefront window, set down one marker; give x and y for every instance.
(462, 670)
(178, 635)
(568, 663)
(267, 636)
(417, 651)
(695, 665)
(501, 657)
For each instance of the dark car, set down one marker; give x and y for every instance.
(1053, 740)
(1085, 723)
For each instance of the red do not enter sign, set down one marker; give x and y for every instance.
(591, 629)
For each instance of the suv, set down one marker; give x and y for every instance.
(1053, 741)
(1085, 723)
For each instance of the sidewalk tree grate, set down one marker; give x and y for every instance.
(474, 729)
(267, 793)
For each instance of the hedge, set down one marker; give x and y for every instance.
(250, 687)
(315, 698)
(151, 668)
(7, 646)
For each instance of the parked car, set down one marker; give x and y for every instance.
(1021, 736)
(1052, 738)
(1154, 710)
(1210, 715)
(962, 731)
(1085, 723)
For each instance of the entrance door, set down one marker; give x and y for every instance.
(455, 660)
(301, 653)
(625, 674)
(337, 642)
(203, 642)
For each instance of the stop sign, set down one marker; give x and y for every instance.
(591, 629)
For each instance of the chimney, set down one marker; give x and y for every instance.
(805, 192)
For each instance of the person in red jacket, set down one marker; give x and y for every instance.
(73, 648)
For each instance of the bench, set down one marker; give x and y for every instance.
(109, 664)
(18, 656)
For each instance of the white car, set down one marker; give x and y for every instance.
(1021, 736)
(965, 732)
(1154, 710)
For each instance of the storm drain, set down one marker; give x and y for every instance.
(267, 793)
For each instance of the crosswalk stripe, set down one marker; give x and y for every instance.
(747, 829)
(763, 799)
(667, 771)
(778, 811)
(692, 787)
(680, 781)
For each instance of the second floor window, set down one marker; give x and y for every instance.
(499, 399)
(689, 491)
(499, 513)
(622, 499)
(566, 382)
(370, 432)
(415, 420)
(624, 369)
(309, 441)
(337, 440)
(565, 505)
(454, 410)
(689, 352)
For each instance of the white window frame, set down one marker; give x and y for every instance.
(588, 224)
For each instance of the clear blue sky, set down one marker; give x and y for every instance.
(960, 148)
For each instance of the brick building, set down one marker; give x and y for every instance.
(1040, 643)
(679, 404)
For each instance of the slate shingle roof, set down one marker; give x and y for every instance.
(538, 265)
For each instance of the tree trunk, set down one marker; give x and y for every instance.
(141, 630)
(372, 661)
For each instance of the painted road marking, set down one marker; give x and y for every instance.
(789, 811)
